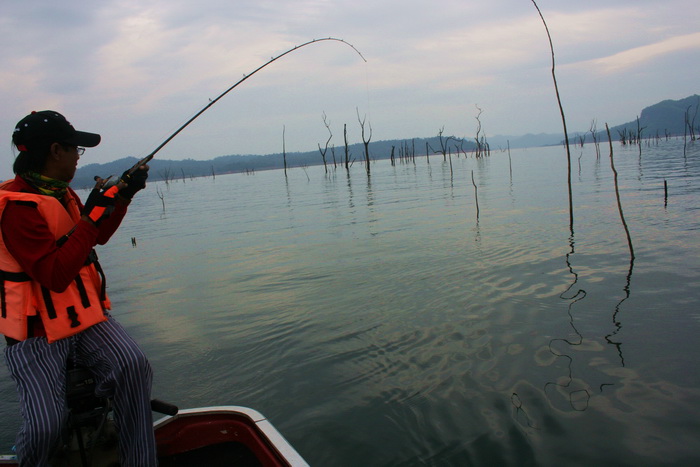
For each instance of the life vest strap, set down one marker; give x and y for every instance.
(12, 277)
(48, 301)
(92, 259)
(81, 290)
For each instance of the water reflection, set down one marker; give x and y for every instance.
(578, 398)
(350, 194)
(615, 320)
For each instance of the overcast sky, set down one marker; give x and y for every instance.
(135, 70)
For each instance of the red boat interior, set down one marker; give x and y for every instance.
(214, 440)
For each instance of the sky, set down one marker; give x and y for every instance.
(136, 70)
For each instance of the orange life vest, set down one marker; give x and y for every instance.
(63, 314)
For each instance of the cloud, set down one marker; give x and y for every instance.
(643, 56)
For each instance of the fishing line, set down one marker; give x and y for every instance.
(146, 159)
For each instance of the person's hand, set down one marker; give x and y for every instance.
(134, 182)
(99, 204)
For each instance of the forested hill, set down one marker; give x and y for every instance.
(177, 169)
(666, 118)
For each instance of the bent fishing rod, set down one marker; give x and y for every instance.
(146, 159)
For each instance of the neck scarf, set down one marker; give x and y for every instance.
(45, 185)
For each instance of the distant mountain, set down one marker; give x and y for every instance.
(667, 118)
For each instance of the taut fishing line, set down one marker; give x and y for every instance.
(146, 159)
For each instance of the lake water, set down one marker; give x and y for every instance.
(377, 322)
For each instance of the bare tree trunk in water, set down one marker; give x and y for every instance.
(617, 194)
(563, 119)
(365, 141)
(284, 151)
(325, 149)
(476, 197)
(347, 150)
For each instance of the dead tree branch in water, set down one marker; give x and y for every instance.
(284, 150)
(476, 196)
(161, 196)
(510, 164)
(167, 176)
(482, 147)
(689, 127)
(617, 195)
(365, 141)
(594, 135)
(325, 149)
(563, 119)
(640, 129)
(444, 144)
(347, 148)
(691, 123)
(623, 136)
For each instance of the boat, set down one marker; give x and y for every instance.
(222, 436)
(207, 436)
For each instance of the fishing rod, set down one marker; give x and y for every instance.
(146, 159)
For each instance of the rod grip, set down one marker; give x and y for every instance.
(163, 407)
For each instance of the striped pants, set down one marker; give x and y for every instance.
(121, 371)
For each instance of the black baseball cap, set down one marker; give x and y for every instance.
(48, 126)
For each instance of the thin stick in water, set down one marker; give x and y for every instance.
(476, 196)
(617, 194)
(563, 119)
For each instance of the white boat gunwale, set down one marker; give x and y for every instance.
(266, 428)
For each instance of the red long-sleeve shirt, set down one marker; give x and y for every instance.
(31, 243)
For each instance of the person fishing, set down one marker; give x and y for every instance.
(53, 292)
